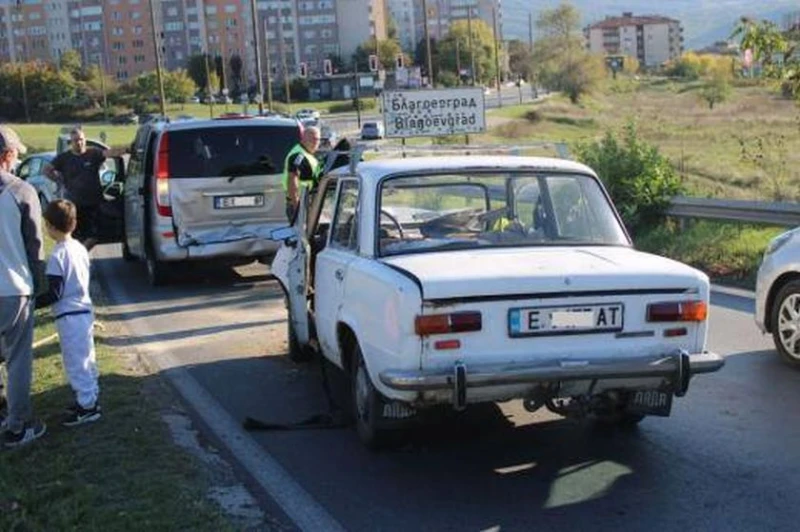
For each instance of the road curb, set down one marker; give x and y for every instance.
(731, 291)
(264, 470)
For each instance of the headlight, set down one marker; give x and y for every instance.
(778, 242)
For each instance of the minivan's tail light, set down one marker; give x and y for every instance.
(455, 322)
(163, 205)
(677, 311)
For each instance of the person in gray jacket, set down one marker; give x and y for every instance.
(21, 278)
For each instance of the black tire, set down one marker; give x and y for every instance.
(366, 404)
(297, 353)
(157, 271)
(788, 297)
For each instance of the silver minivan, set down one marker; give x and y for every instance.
(205, 190)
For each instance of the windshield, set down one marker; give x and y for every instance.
(437, 212)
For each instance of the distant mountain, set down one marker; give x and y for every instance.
(704, 21)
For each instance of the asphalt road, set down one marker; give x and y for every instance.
(728, 458)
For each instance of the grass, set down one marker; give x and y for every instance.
(120, 473)
(730, 254)
(705, 145)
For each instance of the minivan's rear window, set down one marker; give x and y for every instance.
(230, 151)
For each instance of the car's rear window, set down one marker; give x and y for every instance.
(230, 151)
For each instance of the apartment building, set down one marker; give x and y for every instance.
(652, 39)
(118, 34)
(442, 13)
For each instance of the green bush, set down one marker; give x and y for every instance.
(640, 180)
(366, 104)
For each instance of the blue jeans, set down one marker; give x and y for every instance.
(16, 347)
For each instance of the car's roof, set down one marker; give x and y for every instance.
(42, 155)
(252, 121)
(373, 171)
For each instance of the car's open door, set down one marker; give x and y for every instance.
(290, 267)
(110, 217)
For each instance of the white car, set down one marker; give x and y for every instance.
(464, 279)
(307, 114)
(778, 295)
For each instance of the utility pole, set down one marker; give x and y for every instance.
(358, 94)
(427, 42)
(158, 60)
(530, 32)
(282, 48)
(458, 61)
(103, 90)
(257, 46)
(496, 57)
(269, 65)
(207, 50)
(22, 69)
(471, 49)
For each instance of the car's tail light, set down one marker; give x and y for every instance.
(163, 204)
(448, 323)
(677, 311)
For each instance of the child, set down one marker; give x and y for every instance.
(68, 278)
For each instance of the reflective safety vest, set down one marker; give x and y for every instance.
(315, 167)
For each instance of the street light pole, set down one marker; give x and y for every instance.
(158, 61)
(427, 42)
(258, 57)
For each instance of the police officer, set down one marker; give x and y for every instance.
(301, 168)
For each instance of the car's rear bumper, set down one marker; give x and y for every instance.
(677, 368)
(245, 248)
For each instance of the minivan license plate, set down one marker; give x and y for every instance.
(233, 202)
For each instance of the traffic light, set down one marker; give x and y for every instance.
(373, 63)
(303, 70)
(399, 61)
(327, 67)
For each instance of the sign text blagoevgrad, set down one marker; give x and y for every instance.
(429, 113)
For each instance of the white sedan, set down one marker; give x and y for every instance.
(465, 279)
(778, 295)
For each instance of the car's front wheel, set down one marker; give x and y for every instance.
(786, 322)
(157, 271)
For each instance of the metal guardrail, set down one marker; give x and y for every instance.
(759, 212)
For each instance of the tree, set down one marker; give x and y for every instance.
(716, 90)
(50, 94)
(482, 44)
(179, 86)
(71, 62)
(560, 58)
(236, 64)
(767, 43)
(387, 50)
(421, 58)
(337, 63)
(196, 68)
(520, 59)
(95, 82)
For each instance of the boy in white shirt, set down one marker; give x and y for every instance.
(68, 279)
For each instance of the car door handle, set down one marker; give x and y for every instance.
(339, 274)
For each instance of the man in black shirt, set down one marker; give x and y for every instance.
(78, 170)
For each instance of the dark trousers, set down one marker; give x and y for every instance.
(87, 222)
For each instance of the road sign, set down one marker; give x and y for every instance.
(431, 113)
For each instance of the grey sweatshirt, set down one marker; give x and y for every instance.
(21, 247)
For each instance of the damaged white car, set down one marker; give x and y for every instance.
(461, 280)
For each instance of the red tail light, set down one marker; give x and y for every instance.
(448, 323)
(677, 311)
(163, 204)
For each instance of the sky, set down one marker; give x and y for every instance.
(704, 21)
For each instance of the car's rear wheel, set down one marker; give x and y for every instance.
(785, 319)
(157, 271)
(366, 403)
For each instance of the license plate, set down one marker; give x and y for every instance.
(650, 402)
(578, 319)
(234, 202)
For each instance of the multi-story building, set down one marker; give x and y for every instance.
(442, 13)
(403, 14)
(118, 34)
(652, 39)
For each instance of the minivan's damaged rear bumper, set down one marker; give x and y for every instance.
(677, 368)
